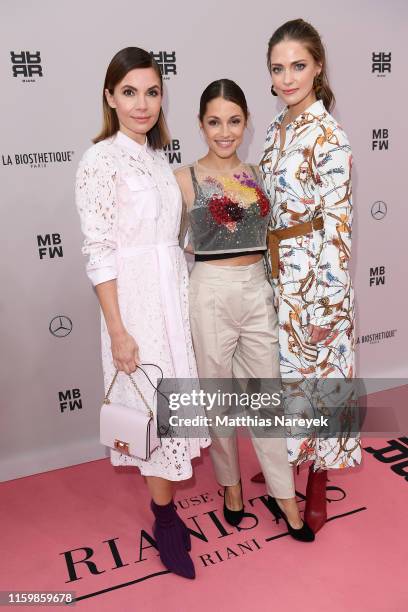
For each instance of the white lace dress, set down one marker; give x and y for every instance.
(130, 208)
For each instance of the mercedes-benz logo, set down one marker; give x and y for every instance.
(378, 210)
(60, 326)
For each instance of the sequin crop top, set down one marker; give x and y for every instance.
(227, 213)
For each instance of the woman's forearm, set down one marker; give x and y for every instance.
(125, 351)
(108, 298)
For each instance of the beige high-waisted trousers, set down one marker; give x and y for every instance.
(235, 334)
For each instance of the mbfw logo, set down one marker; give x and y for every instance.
(379, 210)
(173, 152)
(60, 326)
(377, 276)
(381, 63)
(380, 140)
(37, 160)
(49, 245)
(26, 64)
(376, 337)
(70, 399)
(166, 61)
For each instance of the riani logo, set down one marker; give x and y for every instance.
(173, 152)
(377, 276)
(381, 63)
(26, 64)
(49, 246)
(38, 159)
(376, 337)
(380, 140)
(166, 61)
(70, 400)
(134, 560)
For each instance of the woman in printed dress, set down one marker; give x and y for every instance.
(130, 209)
(306, 168)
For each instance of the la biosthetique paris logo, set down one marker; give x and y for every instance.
(37, 159)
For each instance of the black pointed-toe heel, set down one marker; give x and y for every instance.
(303, 534)
(234, 517)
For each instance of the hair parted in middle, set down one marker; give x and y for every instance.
(226, 89)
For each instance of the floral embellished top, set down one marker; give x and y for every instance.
(228, 212)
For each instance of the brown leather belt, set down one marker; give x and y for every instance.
(275, 236)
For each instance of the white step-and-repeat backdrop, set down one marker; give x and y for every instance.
(53, 58)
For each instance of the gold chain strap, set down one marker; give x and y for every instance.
(107, 400)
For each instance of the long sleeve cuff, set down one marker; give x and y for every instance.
(102, 275)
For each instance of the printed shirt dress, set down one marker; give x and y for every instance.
(130, 208)
(309, 178)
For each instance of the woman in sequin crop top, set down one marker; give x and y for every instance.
(232, 315)
(225, 208)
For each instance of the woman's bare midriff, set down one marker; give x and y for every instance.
(243, 260)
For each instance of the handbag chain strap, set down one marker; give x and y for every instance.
(107, 400)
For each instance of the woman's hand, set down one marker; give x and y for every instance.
(125, 352)
(317, 334)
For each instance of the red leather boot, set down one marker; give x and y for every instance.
(316, 511)
(259, 477)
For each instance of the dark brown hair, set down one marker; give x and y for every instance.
(125, 60)
(226, 89)
(305, 33)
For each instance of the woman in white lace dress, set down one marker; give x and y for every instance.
(130, 209)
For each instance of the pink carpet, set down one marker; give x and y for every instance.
(358, 562)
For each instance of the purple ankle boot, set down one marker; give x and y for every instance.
(185, 534)
(173, 540)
